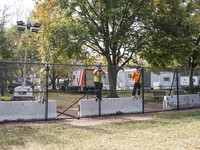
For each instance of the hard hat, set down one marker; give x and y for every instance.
(99, 65)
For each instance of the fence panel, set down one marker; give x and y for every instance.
(68, 84)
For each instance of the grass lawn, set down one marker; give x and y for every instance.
(172, 131)
(64, 99)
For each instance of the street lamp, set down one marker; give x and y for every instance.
(34, 28)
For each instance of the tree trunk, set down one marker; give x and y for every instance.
(53, 79)
(2, 88)
(58, 82)
(112, 77)
(191, 87)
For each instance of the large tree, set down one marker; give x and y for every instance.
(110, 28)
(53, 39)
(176, 28)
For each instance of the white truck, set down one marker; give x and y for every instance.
(82, 81)
(23, 93)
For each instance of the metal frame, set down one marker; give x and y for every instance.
(63, 112)
(175, 79)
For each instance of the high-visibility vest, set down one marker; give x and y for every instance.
(43, 74)
(96, 77)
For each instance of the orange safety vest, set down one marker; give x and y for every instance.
(136, 76)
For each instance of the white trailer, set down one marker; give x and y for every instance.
(124, 80)
(82, 80)
(164, 80)
(185, 80)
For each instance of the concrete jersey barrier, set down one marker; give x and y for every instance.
(185, 101)
(26, 110)
(89, 107)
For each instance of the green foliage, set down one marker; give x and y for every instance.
(5, 52)
(174, 32)
(110, 28)
(18, 41)
(54, 36)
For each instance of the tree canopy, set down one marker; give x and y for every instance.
(110, 28)
(176, 29)
(175, 40)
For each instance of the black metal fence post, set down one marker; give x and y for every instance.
(2, 89)
(177, 88)
(142, 90)
(47, 85)
(99, 92)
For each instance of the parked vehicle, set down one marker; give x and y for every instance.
(164, 80)
(82, 80)
(23, 93)
(12, 86)
(124, 80)
(63, 84)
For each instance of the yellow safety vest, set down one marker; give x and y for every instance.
(43, 74)
(96, 77)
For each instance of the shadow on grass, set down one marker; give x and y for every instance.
(160, 120)
(43, 135)
(183, 115)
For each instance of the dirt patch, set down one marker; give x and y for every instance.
(105, 120)
(120, 118)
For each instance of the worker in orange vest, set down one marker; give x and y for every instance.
(136, 76)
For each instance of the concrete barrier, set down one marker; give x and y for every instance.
(185, 101)
(89, 107)
(26, 110)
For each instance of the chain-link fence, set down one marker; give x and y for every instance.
(68, 84)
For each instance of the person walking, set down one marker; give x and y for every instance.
(98, 80)
(136, 76)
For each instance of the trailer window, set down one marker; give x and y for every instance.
(129, 76)
(73, 76)
(166, 79)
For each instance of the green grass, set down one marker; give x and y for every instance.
(6, 97)
(64, 99)
(174, 131)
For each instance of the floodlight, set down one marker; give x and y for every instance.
(37, 25)
(20, 28)
(34, 30)
(20, 23)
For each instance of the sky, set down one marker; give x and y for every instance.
(17, 10)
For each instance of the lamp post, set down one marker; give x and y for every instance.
(34, 28)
